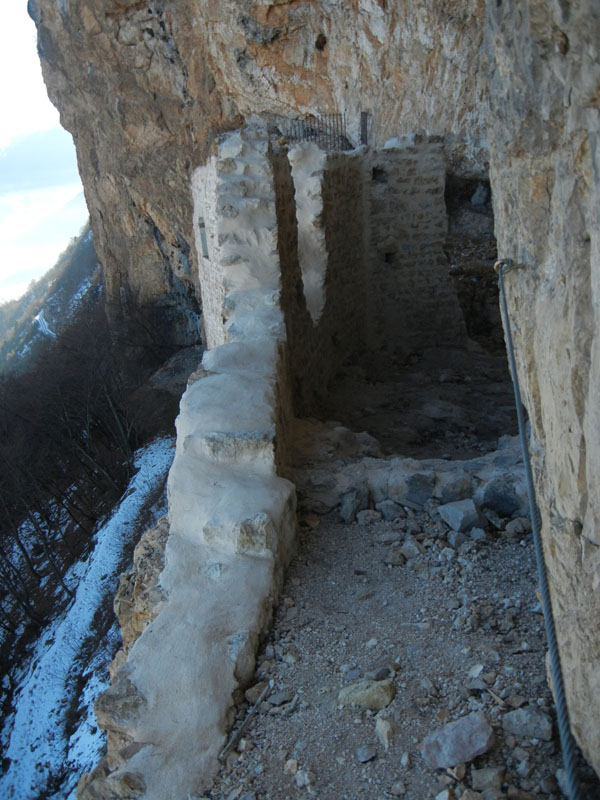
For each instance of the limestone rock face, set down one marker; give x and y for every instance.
(545, 151)
(144, 87)
(139, 106)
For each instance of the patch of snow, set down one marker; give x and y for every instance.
(79, 294)
(35, 739)
(41, 321)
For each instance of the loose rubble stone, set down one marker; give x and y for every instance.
(395, 557)
(516, 700)
(352, 502)
(419, 488)
(378, 674)
(500, 495)
(461, 515)
(452, 486)
(478, 535)
(528, 723)
(253, 693)
(487, 778)
(304, 778)
(279, 698)
(367, 516)
(389, 510)
(410, 548)
(366, 753)
(518, 525)
(458, 742)
(398, 789)
(373, 695)
(384, 729)
(456, 538)
(244, 746)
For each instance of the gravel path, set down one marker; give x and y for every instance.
(453, 631)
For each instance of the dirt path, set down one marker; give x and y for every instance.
(446, 626)
(454, 631)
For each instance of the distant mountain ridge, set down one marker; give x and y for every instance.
(50, 303)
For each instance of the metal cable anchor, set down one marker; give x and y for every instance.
(504, 265)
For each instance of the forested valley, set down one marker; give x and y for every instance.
(74, 406)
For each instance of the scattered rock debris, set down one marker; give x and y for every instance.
(407, 654)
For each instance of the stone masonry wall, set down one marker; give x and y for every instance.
(318, 346)
(212, 287)
(232, 519)
(411, 301)
(374, 274)
(308, 164)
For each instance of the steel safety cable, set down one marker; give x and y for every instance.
(567, 742)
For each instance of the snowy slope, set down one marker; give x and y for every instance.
(43, 763)
(74, 285)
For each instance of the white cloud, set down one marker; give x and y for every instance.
(36, 224)
(23, 98)
(35, 227)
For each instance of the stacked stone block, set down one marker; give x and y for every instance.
(328, 277)
(411, 300)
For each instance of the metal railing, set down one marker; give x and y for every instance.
(326, 130)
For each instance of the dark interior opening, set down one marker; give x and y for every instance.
(471, 251)
(439, 400)
(379, 175)
(321, 41)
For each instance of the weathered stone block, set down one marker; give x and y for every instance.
(461, 515)
(458, 742)
(373, 695)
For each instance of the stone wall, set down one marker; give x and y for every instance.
(307, 161)
(411, 301)
(212, 287)
(332, 283)
(231, 518)
(545, 152)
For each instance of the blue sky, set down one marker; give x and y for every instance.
(41, 198)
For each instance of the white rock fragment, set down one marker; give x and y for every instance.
(384, 730)
(304, 778)
(528, 723)
(290, 767)
(458, 742)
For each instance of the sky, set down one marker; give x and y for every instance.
(41, 198)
